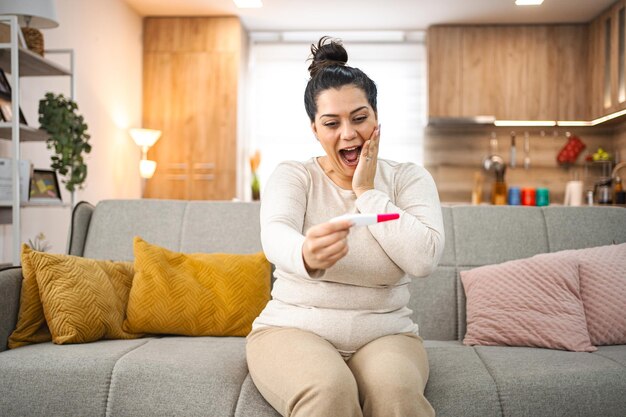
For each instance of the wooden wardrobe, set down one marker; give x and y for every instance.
(191, 68)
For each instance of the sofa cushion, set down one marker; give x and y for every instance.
(60, 380)
(603, 291)
(546, 383)
(251, 403)
(197, 294)
(459, 384)
(83, 300)
(31, 324)
(527, 302)
(179, 376)
(487, 235)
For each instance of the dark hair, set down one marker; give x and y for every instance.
(329, 70)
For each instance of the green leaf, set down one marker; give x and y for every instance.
(68, 137)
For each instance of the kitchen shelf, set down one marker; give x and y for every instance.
(31, 64)
(27, 133)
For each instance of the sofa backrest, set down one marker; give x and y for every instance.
(475, 236)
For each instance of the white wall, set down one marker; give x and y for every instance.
(106, 38)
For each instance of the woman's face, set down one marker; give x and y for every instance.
(344, 121)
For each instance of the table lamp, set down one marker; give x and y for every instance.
(32, 15)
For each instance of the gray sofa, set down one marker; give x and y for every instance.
(207, 376)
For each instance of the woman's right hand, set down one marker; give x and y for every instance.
(325, 244)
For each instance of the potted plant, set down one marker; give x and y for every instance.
(68, 138)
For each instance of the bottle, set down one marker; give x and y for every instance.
(498, 195)
(493, 144)
(513, 160)
(618, 192)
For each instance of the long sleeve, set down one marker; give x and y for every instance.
(282, 217)
(415, 242)
(364, 295)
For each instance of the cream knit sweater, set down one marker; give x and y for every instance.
(365, 294)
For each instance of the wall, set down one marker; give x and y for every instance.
(106, 38)
(454, 155)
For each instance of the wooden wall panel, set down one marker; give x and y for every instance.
(191, 70)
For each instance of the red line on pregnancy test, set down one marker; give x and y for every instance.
(387, 216)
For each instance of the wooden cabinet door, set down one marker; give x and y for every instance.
(477, 70)
(595, 68)
(163, 111)
(213, 163)
(571, 72)
(618, 76)
(191, 69)
(541, 73)
(444, 71)
(508, 74)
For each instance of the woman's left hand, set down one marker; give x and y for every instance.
(363, 179)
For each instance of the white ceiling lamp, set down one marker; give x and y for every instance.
(248, 4)
(528, 2)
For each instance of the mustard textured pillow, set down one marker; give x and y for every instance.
(201, 294)
(83, 299)
(31, 323)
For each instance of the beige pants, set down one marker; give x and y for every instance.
(302, 375)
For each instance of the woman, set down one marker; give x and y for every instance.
(337, 338)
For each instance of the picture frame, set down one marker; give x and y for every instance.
(5, 87)
(44, 187)
(6, 109)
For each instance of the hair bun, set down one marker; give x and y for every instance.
(326, 53)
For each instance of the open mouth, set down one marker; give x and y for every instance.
(350, 156)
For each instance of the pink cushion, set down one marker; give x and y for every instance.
(603, 290)
(532, 302)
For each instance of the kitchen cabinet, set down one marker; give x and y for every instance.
(444, 71)
(190, 90)
(607, 61)
(572, 72)
(597, 68)
(518, 72)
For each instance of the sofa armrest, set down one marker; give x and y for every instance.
(10, 288)
(81, 217)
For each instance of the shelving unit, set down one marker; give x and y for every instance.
(18, 61)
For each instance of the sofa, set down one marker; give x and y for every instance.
(208, 376)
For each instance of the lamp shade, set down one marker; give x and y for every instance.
(42, 13)
(147, 168)
(145, 137)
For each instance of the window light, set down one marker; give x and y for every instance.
(248, 4)
(528, 2)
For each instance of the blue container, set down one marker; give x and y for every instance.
(514, 196)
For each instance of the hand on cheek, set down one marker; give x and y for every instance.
(363, 179)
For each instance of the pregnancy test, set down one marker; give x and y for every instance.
(367, 219)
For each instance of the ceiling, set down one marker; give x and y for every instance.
(343, 15)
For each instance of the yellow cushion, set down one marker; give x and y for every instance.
(199, 294)
(83, 299)
(31, 323)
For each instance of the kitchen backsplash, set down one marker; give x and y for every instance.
(454, 155)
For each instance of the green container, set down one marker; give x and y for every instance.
(542, 197)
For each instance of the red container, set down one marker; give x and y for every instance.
(528, 196)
